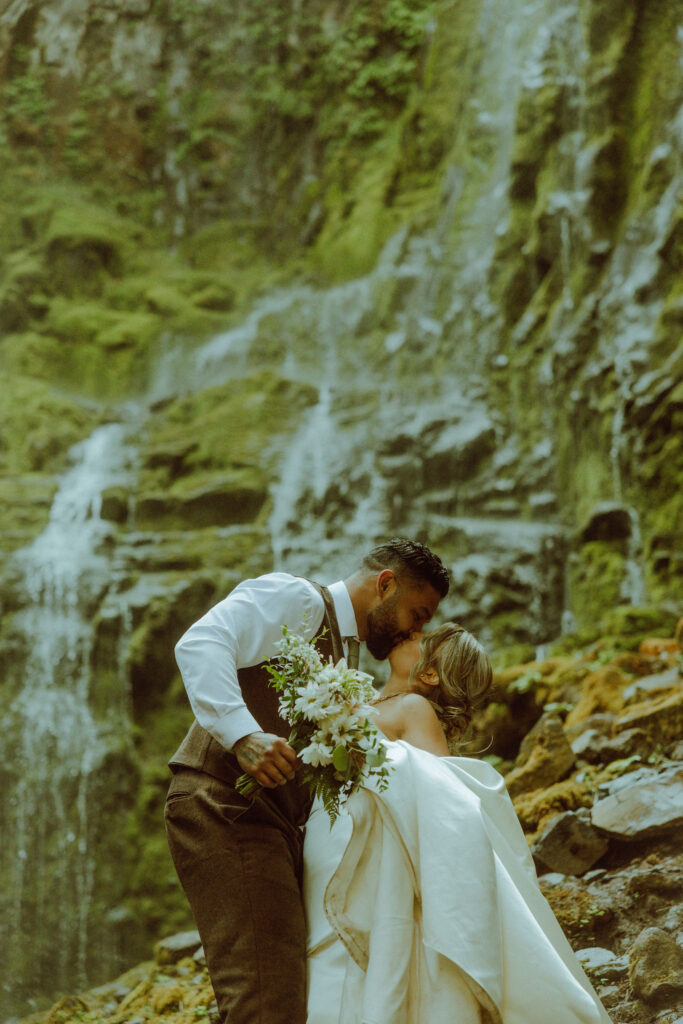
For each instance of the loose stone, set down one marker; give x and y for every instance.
(569, 844)
(656, 967)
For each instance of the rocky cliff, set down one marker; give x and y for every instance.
(276, 284)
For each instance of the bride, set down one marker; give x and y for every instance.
(422, 900)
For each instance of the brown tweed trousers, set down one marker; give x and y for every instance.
(239, 861)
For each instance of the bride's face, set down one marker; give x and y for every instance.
(403, 656)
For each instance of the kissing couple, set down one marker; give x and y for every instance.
(420, 905)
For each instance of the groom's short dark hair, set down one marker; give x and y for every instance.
(409, 558)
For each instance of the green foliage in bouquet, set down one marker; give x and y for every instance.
(329, 709)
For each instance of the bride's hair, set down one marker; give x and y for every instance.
(464, 671)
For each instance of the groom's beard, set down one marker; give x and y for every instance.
(383, 631)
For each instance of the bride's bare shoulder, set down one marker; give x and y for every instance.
(420, 725)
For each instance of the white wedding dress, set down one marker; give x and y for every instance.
(423, 907)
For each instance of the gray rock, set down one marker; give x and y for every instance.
(674, 919)
(648, 685)
(596, 748)
(656, 967)
(569, 844)
(594, 958)
(601, 721)
(200, 957)
(587, 745)
(553, 878)
(627, 781)
(603, 964)
(608, 993)
(592, 876)
(642, 806)
(175, 947)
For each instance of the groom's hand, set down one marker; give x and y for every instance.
(267, 758)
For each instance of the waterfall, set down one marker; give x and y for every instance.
(413, 364)
(52, 737)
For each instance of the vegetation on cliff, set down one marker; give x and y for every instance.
(437, 246)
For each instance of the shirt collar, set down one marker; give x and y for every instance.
(346, 617)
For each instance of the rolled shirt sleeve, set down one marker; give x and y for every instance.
(240, 631)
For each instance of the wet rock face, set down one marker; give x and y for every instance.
(496, 369)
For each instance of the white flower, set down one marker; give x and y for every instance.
(312, 701)
(340, 725)
(317, 753)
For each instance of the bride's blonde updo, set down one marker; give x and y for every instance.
(464, 671)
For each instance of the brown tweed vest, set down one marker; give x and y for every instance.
(200, 751)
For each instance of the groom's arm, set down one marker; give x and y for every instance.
(240, 631)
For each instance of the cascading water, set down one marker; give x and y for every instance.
(52, 737)
(442, 313)
(405, 420)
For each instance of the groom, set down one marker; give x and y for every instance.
(240, 860)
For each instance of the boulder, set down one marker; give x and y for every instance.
(174, 948)
(656, 967)
(569, 844)
(601, 691)
(545, 757)
(645, 804)
(601, 722)
(594, 747)
(653, 684)
(661, 719)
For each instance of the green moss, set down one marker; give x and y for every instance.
(597, 573)
(628, 621)
(38, 426)
(23, 289)
(514, 654)
(32, 355)
(26, 501)
(234, 496)
(222, 427)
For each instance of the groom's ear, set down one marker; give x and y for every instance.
(386, 583)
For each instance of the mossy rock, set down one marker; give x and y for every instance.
(22, 290)
(235, 496)
(31, 354)
(85, 243)
(241, 552)
(597, 574)
(38, 426)
(640, 622)
(222, 427)
(105, 352)
(26, 501)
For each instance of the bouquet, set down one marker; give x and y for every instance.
(328, 707)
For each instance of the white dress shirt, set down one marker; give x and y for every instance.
(241, 631)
